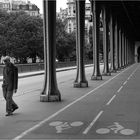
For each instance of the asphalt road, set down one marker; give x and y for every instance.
(107, 109)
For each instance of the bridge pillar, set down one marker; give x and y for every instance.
(117, 45)
(80, 32)
(128, 57)
(112, 43)
(96, 40)
(50, 90)
(127, 52)
(120, 48)
(133, 52)
(123, 49)
(125, 64)
(106, 40)
(126, 43)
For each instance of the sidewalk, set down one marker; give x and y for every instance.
(34, 73)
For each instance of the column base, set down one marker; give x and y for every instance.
(114, 71)
(80, 84)
(119, 69)
(97, 77)
(50, 98)
(106, 74)
(122, 67)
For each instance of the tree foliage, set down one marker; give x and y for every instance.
(30, 37)
(66, 47)
(21, 37)
(65, 42)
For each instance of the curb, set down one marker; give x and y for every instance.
(57, 70)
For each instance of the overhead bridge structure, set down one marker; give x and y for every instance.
(121, 39)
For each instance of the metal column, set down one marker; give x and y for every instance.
(80, 32)
(117, 45)
(120, 48)
(50, 90)
(123, 49)
(112, 44)
(96, 41)
(106, 40)
(126, 51)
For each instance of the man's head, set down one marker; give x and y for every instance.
(6, 60)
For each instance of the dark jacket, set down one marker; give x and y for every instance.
(10, 77)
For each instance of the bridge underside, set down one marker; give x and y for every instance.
(128, 13)
(121, 28)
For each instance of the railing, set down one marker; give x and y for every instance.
(40, 66)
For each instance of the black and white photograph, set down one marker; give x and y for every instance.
(69, 69)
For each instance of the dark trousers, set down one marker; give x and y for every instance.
(10, 104)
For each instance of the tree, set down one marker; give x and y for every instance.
(21, 37)
(65, 42)
(30, 34)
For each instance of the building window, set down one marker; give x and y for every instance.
(18, 7)
(74, 9)
(70, 10)
(30, 7)
(69, 30)
(33, 13)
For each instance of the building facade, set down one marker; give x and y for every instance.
(63, 14)
(19, 5)
(71, 17)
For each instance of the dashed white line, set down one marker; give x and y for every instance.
(128, 78)
(125, 82)
(132, 73)
(111, 100)
(92, 123)
(119, 89)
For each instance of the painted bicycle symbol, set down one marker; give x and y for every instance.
(117, 128)
(60, 126)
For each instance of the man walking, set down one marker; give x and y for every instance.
(10, 84)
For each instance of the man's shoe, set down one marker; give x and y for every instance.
(9, 114)
(14, 108)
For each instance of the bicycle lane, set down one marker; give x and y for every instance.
(72, 121)
(121, 118)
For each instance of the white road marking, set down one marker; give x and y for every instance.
(60, 126)
(124, 82)
(109, 102)
(116, 128)
(92, 123)
(133, 73)
(61, 110)
(128, 78)
(119, 89)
